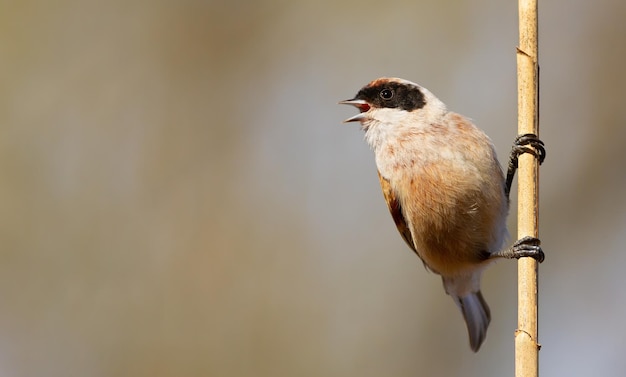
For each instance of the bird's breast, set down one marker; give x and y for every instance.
(451, 199)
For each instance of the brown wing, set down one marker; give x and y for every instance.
(396, 211)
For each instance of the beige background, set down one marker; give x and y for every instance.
(179, 196)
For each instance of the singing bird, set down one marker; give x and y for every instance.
(444, 187)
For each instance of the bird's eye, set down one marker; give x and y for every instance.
(386, 94)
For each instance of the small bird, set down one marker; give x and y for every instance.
(444, 187)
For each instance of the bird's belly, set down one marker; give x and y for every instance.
(453, 221)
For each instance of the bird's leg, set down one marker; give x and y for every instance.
(526, 246)
(520, 146)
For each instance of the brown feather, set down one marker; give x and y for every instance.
(396, 211)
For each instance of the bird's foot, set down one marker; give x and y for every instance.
(526, 143)
(524, 247)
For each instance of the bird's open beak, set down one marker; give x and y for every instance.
(359, 104)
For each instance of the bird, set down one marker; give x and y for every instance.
(444, 188)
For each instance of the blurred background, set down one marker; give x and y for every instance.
(179, 196)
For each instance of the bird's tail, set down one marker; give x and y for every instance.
(477, 317)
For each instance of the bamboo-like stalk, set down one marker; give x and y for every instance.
(526, 343)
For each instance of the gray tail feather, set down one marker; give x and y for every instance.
(477, 317)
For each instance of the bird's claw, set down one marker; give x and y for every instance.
(526, 143)
(524, 247)
(520, 146)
